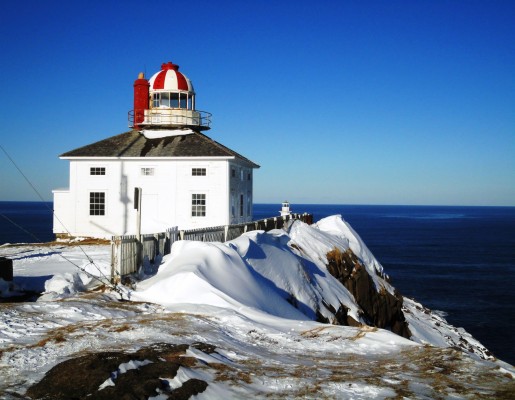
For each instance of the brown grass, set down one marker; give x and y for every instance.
(225, 373)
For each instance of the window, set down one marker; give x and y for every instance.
(97, 203)
(249, 176)
(174, 100)
(165, 100)
(241, 205)
(249, 204)
(233, 206)
(241, 175)
(198, 205)
(147, 171)
(97, 171)
(198, 172)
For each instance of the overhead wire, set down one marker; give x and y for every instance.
(107, 282)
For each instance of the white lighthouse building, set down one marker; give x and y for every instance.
(186, 178)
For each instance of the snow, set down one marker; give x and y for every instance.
(122, 369)
(338, 227)
(255, 299)
(158, 134)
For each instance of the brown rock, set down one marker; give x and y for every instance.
(380, 308)
(80, 378)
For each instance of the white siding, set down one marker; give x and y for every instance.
(167, 195)
(239, 185)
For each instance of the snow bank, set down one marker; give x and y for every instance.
(280, 273)
(283, 274)
(65, 285)
(338, 227)
(59, 270)
(301, 279)
(212, 274)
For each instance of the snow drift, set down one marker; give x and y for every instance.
(288, 274)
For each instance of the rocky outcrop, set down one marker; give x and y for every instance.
(380, 308)
(145, 373)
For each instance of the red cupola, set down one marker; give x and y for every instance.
(166, 101)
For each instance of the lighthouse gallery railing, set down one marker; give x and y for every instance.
(172, 117)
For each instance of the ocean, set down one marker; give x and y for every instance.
(458, 260)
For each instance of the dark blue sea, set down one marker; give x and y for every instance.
(460, 260)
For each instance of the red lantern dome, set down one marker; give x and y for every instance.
(170, 79)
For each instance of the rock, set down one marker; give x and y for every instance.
(380, 308)
(138, 375)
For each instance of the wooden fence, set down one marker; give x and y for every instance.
(127, 253)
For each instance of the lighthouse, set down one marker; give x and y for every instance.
(165, 168)
(166, 102)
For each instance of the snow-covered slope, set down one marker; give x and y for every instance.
(246, 317)
(284, 273)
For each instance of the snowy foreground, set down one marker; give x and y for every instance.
(245, 314)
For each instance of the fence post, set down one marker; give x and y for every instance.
(115, 260)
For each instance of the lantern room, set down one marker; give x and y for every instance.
(166, 101)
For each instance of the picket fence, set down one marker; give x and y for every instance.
(128, 254)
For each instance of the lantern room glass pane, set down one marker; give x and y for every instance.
(165, 100)
(183, 103)
(174, 100)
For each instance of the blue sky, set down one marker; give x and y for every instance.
(348, 102)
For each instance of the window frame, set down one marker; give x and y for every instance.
(198, 205)
(233, 204)
(198, 171)
(97, 204)
(147, 171)
(97, 171)
(173, 100)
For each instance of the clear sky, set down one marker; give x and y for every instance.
(348, 102)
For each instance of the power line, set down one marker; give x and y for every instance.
(112, 285)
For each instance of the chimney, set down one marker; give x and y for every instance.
(141, 99)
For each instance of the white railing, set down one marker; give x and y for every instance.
(175, 117)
